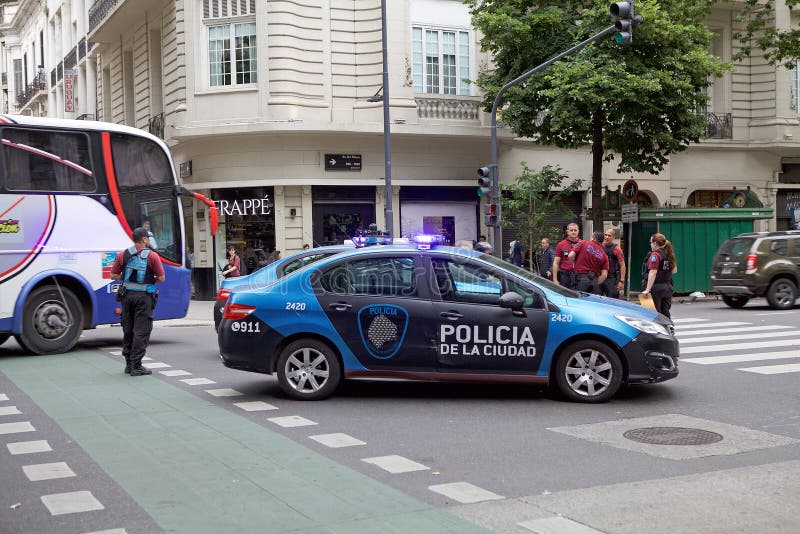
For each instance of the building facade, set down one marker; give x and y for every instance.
(272, 108)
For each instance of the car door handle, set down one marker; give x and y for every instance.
(453, 316)
(340, 306)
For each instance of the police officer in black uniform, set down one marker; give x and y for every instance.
(140, 269)
(615, 282)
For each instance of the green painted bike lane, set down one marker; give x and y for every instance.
(196, 467)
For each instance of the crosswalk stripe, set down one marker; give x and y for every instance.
(741, 346)
(683, 327)
(773, 369)
(689, 320)
(732, 330)
(739, 358)
(743, 336)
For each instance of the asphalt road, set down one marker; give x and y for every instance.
(505, 458)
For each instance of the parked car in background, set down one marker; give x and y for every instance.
(758, 264)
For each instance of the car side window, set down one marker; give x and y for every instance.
(293, 265)
(532, 298)
(779, 247)
(466, 282)
(373, 276)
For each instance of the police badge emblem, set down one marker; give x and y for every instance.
(382, 328)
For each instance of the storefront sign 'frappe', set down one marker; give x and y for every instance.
(245, 206)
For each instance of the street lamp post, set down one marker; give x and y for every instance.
(387, 141)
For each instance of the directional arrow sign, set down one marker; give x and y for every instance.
(343, 162)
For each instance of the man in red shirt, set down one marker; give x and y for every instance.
(140, 269)
(563, 268)
(591, 264)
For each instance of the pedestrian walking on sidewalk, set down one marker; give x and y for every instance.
(657, 270)
(140, 269)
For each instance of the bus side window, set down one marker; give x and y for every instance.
(45, 160)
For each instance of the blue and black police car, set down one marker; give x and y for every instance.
(427, 312)
(272, 272)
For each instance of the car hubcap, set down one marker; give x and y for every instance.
(785, 295)
(589, 372)
(307, 370)
(50, 319)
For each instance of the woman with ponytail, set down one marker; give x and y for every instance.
(657, 272)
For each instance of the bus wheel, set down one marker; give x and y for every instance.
(4, 338)
(51, 324)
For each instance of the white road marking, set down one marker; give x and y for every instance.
(197, 381)
(465, 493)
(147, 359)
(291, 421)
(773, 369)
(9, 410)
(112, 531)
(115, 352)
(29, 447)
(47, 471)
(175, 372)
(741, 346)
(72, 502)
(255, 406)
(395, 464)
(337, 441)
(557, 525)
(3, 397)
(777, 313)
(710, 339)
(224, 392)
(689, 320)
(683, 327)
(681, 335)
(16, 428)
(158, 365)
(738, 358)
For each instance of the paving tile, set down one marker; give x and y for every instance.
(291, 421)
(224, 392)
(337, 440)
(395, 464)
(71, 503)
(464, 492)
(255, 406)
(197, 381)
(29, 447)
(16, 428)
(47, 471)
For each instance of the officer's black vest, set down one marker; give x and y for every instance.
(613, 262)
(664, 272)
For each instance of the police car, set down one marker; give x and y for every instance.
(427, 312)
(270, 273)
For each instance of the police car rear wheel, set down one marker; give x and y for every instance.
(308, 370)
(588, 371)
(52, 321)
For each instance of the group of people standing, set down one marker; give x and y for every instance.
(598, 266)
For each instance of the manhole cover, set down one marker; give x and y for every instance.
(668, 435)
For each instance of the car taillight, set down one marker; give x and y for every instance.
(752, 263)
(223, 294)
(237, 311)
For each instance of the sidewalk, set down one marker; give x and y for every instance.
(200, 313)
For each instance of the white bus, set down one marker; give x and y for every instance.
(71, 193)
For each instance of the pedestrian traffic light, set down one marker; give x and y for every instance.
(484, 181)
(623, 11)
(491, 215)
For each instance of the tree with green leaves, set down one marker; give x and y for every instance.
(635, 103)
(777, 45)
(533, 200)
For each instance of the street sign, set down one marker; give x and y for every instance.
(630, 190)
(343, 162)
(630, 213)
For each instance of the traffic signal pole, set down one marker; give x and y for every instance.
(497, 235)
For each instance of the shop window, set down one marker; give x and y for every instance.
(708, 199)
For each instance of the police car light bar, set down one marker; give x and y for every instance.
(369, 240)
(426, 241)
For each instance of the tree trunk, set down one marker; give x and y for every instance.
(597, 170)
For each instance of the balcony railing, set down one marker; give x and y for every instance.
(448, 107)
(718, 125)
(99, 11)
(85, 117)
(156, 125)
(32, 90)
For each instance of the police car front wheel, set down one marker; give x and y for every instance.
(308, 370)
(588, 371)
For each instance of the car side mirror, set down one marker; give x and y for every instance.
(514, 301)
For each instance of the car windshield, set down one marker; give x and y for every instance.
(736, 247)
(535, 278)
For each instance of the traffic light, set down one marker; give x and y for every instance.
(491, 215)
(623, 11)
(484, 181)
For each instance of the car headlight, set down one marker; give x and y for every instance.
(648, 327)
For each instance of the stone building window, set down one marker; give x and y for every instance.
(441, 60)
(231, 42)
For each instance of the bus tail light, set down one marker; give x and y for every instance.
(223, 294)
(237, 311)
(752, 263)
